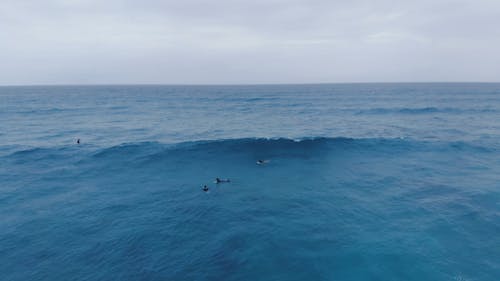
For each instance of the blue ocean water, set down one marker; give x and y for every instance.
(364, 182)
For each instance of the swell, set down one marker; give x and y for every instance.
(426, 110)
(217, 148)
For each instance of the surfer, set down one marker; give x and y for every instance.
(217, 180)
(262, 162)
(205, 188)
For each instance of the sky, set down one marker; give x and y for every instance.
(248, 42)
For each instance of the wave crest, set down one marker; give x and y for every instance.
(219, 148)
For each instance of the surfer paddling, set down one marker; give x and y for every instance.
(218, 180)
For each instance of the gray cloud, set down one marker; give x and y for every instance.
(260, 41)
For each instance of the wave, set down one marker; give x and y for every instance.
(260, 147)
(425, 110)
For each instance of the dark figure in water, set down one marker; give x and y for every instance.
(78, 141)
(205, 188)
(217, 180)
(262, 162)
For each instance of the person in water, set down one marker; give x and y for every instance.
(205, 188)
(217, 180)
(262, 162)
(78, 141)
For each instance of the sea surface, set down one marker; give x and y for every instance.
(361, 182)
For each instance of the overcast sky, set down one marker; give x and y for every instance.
(250, 41)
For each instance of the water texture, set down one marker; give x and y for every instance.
(363, 182)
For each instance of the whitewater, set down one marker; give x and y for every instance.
(364, 182)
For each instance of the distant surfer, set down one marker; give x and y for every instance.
(262, 162)
(205, 188)
(217, 180)
(78, 141)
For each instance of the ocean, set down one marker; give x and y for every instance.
(360, 182)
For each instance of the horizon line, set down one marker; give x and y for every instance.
(242, 84)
